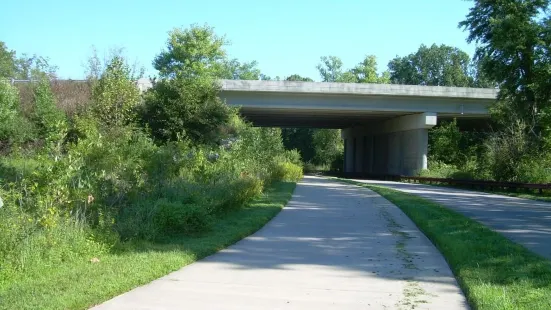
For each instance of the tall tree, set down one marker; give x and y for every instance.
(192, 52)
(435, 66)
(514, 39)
(331, 70)
(7, 62)
(235, 70)
(185, 102)
(198, 51)
(366, 72)
(25, 67)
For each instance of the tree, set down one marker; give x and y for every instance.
(115, 95)
(300, 139)
(328, 145)
(296, 77)
(366, 72)
(25, 67)
(234, 70)
(34, 68)
(184, 107)
(196, 51)
(434, 66)
(7, 62)
(331, 70)
(513, 38)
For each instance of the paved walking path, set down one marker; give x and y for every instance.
(335, 246)
(525, 221)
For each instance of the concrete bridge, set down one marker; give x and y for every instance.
(385, 127)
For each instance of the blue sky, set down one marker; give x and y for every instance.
(284, 36)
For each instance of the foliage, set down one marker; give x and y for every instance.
(450, 145)
(433, 66)
(296, 77)
(79, 284)
(287, 171)
(7, 62)
(177, 218)
(9, 108)
(366, 72)
(193, 52)
(513, 49)
(234, 70)
(184, 107)
(301, 140)
(115, 95)
(328, 145)
(51, 121)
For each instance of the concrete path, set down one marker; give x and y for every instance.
(525, 221)
(335, 246)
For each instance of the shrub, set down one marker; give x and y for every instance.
(293, 156)
(14, 128)
(184, 107)
(115, 95)
(9, 101)
(46, 114)
(230, 196)
(286, 171)
(178, 218)
(328, 145)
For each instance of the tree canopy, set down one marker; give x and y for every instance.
(331, 70)
(513, 40)
(24, 67)
(433, 66)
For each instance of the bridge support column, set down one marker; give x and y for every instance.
(398, 146)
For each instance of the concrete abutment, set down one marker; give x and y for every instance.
(395, 147)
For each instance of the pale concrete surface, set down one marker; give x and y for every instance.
(525, 221)
(345, 105)
(396, 147)
(335, 246)
(358, 89)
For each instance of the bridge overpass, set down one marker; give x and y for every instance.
(385, 127)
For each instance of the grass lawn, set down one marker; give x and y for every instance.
(532, 194)
(84, 284)
(494, 272)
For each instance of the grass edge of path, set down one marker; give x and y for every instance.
(493, 272)
(81, 284)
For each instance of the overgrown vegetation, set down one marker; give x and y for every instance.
(124, 169)
(494, 272)
(513, 51)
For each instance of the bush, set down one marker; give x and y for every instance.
(14, 127)
(286, 171)
(115, 95)
(184, 108)
(46, 114)
(328, 146)
(178, 218)
(230, 196)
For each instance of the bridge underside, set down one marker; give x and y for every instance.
(337, 119)
(385, 127)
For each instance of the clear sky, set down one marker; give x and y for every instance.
(284, 36)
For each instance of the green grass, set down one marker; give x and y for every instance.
(80, 285)
(494, 272)
(521, 193)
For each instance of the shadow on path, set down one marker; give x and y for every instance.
(335, 246)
